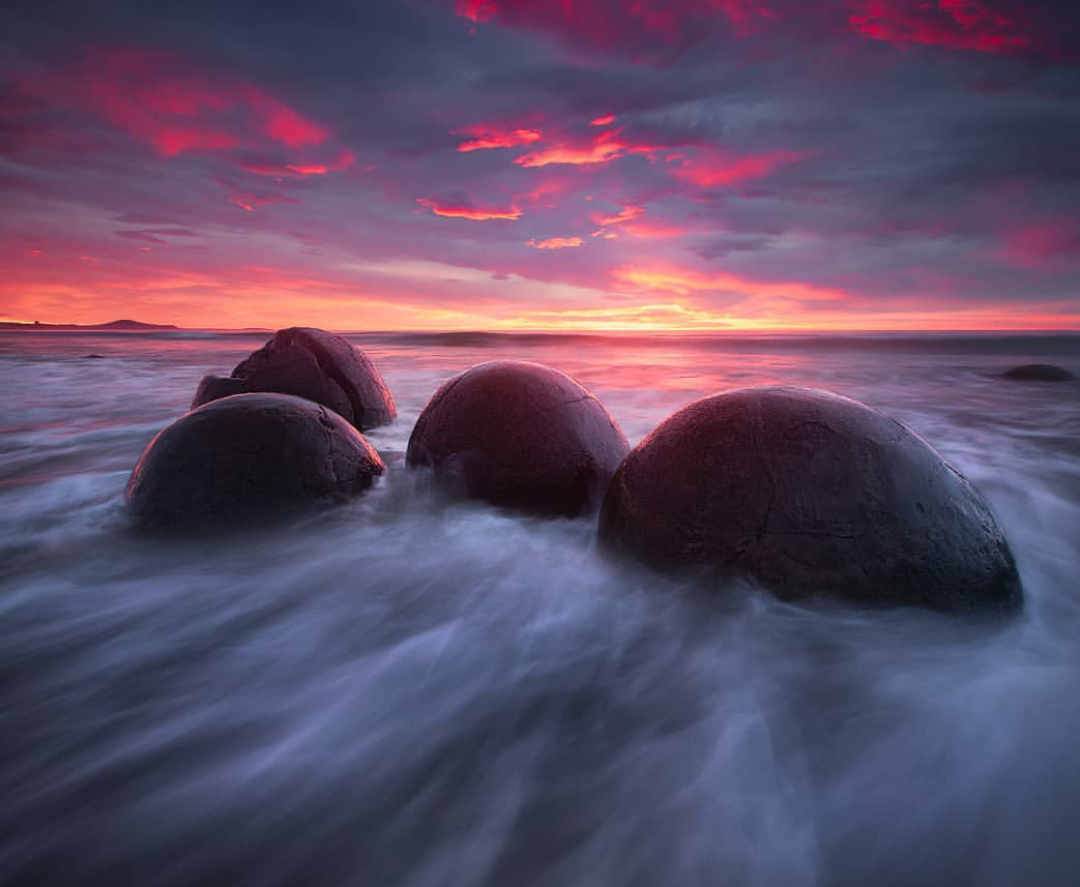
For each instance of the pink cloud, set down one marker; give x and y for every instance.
(626, 214)
(598, 150)
(343, 161)
(556, 243)
(484, 136)
(716, 169)
(1041, 244)
(465, 210)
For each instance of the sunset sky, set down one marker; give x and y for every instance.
(503, 164)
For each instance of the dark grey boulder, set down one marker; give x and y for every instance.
(247, 459)
(215, 388)
(521, 435)
(808, 492)
(313, 364)
(1039, 372)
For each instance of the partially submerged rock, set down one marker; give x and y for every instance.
(246, 459)
(522, 435)
(313, 364)
(808, 492)
(1039, 372)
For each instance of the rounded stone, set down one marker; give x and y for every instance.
(248, 458)
(1039, 372)
(313, 364)
(522, 435)
(808, 492)
(216, 387)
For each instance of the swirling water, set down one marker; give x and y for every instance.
(411, 690)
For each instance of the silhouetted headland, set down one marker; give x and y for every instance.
(111, 325)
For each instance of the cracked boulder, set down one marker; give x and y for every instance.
(807, 493)
(521, 435)
(314, 364)
(248, 459)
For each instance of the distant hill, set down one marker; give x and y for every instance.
(111, 325)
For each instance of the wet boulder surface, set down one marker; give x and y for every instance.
(1038, 372)
(313, 364)
(808, 493)
(521, 435)
(248, 459)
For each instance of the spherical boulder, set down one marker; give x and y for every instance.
(808, 492)
(248, 458)
(1039, 372)
(522, 435)
(313, 364)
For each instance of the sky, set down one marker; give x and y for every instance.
(507, 164)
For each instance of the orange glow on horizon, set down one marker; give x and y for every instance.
(662, 300)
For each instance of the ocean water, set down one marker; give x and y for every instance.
(410, 690)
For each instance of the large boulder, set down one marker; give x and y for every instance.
(313, 364)
(521, 435)
(808, 492)
(248, 458)
(1038, 372)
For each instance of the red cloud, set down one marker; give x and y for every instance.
(718, 170)
(556, 243)
(154, 98)
(494, 135)
(603, 121)
(464, 210)
(957, 24)
(634, 26)
(617, 23)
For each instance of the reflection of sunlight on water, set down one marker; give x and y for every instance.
(435, 692)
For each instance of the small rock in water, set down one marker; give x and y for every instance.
(247, 459)
(522, 435)
(94, 357)
(313, 364)
(808, 492)
(1039, 372)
